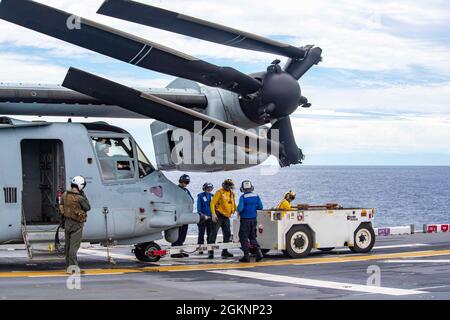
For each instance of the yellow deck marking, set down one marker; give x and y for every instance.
(204, 267)
(429, 253)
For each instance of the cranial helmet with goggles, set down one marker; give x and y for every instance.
(185, 179)
(79, 182)
(290, 195)
(247, 186)
(228, 184)
(208, 186)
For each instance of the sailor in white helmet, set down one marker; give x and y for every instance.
(249, 204)
(74, 207)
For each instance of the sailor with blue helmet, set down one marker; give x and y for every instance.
(249, 203)
(204, 208)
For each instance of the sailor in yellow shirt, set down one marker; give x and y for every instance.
(285, 204)
(223, 206)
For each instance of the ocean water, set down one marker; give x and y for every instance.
(402, 195)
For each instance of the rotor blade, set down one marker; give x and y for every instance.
(39, 100)
(155, 108)
(298, 67)
(293, 154)
(123, 46)
(39, 94)
(196, 28)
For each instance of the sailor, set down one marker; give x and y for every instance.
(183, 230)
(223, 206)
(249, 203)
(285, 204)
(204, 208)
(74, 207)
(102, 147)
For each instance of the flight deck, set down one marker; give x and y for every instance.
(399, 267)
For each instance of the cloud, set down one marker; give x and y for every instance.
(22, 68)
(341, 140)
(420, 13)
(354, 35)
(392, 60)
(415, 99)
(372, 136)
(39, 71)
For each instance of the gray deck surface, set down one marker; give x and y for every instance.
(411, 267)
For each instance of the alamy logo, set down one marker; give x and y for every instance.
(374, 279)
(373, 20)
(73, 23)
(212, 146)
(74, 280)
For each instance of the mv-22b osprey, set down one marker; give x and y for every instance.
(133, 203)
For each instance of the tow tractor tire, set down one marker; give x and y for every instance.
(299, 242)
(364, 239)
(141, 251)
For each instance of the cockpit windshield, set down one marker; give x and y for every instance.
(115, 156)
(117, 159)
(111, 147)
(145, 167)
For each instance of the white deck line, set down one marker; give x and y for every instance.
(98, 253)
(417, 261)
(396, 246)
(319, 283)
(408, 245)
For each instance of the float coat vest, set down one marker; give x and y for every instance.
(75, 206)
(224, 202)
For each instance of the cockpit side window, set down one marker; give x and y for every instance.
(145, 167)
(116, 158)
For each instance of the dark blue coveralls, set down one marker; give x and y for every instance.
(249, 203)
(182, 233)
(203, 207)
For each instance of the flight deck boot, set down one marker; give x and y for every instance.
(259, 255)
(245, 258)
(226, 254)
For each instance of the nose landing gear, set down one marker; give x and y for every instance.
(148, 252)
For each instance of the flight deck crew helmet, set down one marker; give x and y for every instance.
(208, 186)
(290, 196)
(228, 184)
(78, 182)
(247, 186)
(185, 179)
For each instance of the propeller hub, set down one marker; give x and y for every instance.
(281, 90)
(279, 96)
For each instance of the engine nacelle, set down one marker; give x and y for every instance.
(178, 149)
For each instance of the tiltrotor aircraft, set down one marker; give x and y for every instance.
(132, 202)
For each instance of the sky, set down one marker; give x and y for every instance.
(381, 96)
